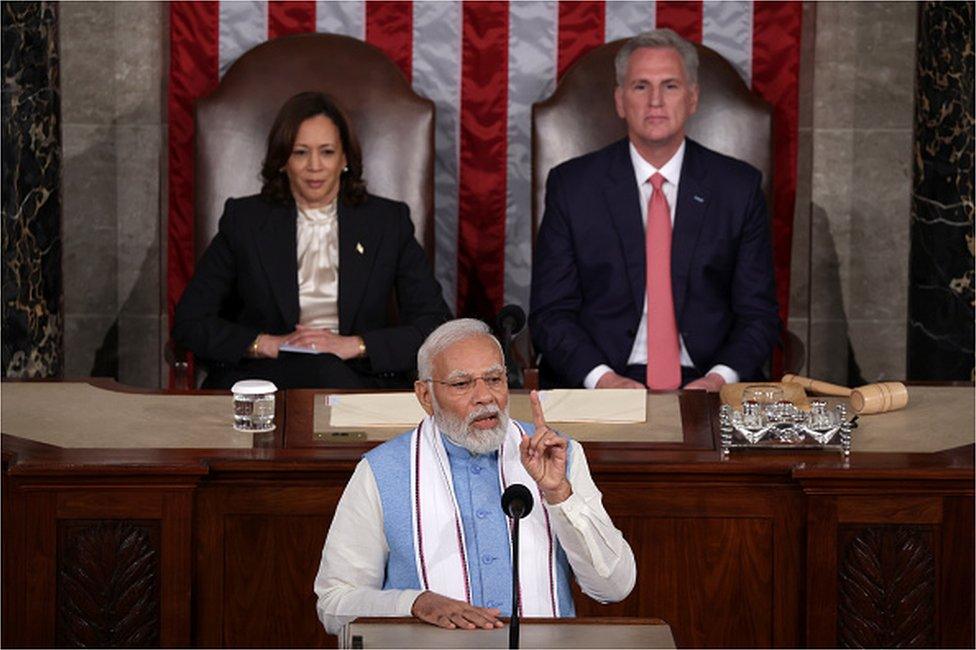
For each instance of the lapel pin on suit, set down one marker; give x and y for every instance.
(699, 199)
(359, 248)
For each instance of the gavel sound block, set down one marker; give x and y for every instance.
(870, 398)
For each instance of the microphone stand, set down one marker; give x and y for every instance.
(513, 626)
(509, 322)
(516, 503)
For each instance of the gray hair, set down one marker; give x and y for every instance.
(658, 38)
(451, 332)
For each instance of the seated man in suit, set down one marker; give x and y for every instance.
(653, 263)
(420, 531)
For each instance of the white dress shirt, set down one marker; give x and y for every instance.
(671, 171)
(349, 583)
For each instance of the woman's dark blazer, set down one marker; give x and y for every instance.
(246, 283)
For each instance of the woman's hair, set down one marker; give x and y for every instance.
(281, 140)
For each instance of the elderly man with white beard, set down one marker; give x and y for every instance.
(419, 530)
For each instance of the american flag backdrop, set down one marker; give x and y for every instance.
(483, 64)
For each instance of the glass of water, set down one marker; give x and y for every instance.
(254, 405)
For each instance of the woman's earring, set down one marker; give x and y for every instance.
(345, 169)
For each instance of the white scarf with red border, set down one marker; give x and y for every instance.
(438, 534)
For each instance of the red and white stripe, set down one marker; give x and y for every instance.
(483, 64)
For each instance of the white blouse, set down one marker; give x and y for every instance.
(318, 266)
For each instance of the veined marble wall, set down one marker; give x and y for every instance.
(114, 71)
(850, 248)
(941, 299)
(31, 134)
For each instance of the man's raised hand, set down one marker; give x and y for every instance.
(544, 456)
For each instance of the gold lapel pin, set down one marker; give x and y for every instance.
(359, 248)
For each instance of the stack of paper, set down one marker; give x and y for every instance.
(607, 405)
(375, 410)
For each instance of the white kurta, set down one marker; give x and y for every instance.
(350, 577)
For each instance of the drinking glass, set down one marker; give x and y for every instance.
(254, 405)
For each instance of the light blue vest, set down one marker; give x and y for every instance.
(478, 492)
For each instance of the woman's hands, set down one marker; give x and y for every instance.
(321, 340)
(266, 346)
(317, 340)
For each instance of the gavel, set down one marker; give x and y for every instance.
(871, 398)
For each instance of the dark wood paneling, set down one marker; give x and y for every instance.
(889, 569)
(14, 553)
(108, 584)
(895, 510)
(177, 521)
(821, 573)
(956, 574)
(107, 504)
(258, 550)
(719, 561)
(61, 580)
(886, 587)
(710, 578)
(40, 571)
(270, 564)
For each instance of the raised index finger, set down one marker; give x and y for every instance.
(537, 417)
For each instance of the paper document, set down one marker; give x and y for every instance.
(605, 405)
(375, 410)
(294, 348)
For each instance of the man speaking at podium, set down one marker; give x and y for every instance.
(420, 531)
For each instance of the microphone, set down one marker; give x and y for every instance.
(508, 323)
(511, 319)
(516, 503)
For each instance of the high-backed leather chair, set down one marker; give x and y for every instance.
(394, 126)
(580, 117)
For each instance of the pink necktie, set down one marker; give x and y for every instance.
(663, 353)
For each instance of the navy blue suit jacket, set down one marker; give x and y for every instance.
(588, 277)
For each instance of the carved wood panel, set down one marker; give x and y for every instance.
(108, 587)
(886, 587)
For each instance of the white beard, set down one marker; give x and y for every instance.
(461, 432)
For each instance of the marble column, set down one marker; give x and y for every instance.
(941, 307)
(855, 167)
(31, 206)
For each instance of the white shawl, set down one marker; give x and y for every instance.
(439, 544)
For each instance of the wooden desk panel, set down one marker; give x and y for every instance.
(257, 552)
(750, 550)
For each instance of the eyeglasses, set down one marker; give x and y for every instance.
(495, 381)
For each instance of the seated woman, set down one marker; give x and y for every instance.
(296, 285)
